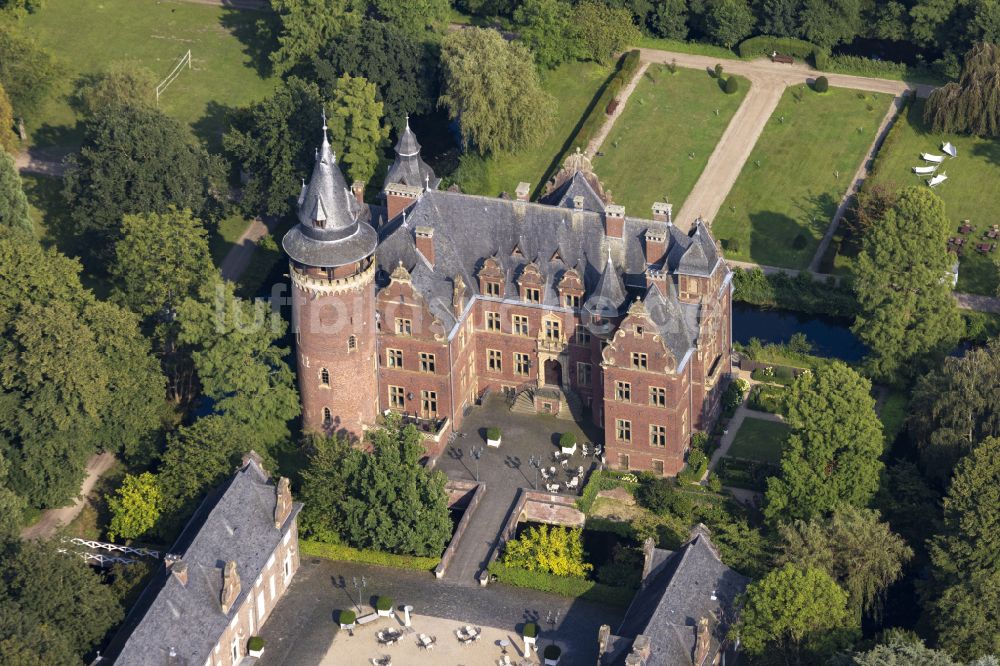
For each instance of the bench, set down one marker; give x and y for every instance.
(784, 59)
(365, 619)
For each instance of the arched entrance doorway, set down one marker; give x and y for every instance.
(553, 372)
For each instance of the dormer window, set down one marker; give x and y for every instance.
(492, 289)
(532, 295)
(571, 300)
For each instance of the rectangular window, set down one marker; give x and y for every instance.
(427, 363)
(640, 361)
(623, 430)
(658, 467)
(396, 397)
(583, 374)
(657, 396)
(428, 404)
(571, 300)
(553, 329)
(521, 363)
(532, 295)
(519, 324)
(494, 360)
(493, 321)
(493, 289)
(404, 326)
(638, 330)
(622, 461)
(582, 335)
(394, 358)
(623, 391)
(658, 436)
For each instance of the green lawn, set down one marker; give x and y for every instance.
(86, 35)
(758, 439)
(969, 193)
(669, 118)
(574, 85)
(797, 174)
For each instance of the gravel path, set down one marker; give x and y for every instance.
(239, 256)
(53, 519)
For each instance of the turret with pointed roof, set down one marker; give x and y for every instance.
(606, 300)
(409, 168)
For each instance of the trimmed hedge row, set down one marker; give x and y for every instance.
(567, 586)
(765, 45)
(801, 293)
(340, 552)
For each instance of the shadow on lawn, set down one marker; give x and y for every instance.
(257, 31)
(772, 240)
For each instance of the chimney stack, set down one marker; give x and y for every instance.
(283, 502)
(399, 197)
(179, 569)
(522, 191)
(230, 586)
(656, 246)
(424, 238)
(662, 212)
(603, 638)
(578, 202)
(614, 221)
(358, 189)
(703, 642)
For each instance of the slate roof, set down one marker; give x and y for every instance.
(237, 524)
(345, 235)
(470, 228)
(564, 195)
(677, 594)
(409, 168)
(695, 254)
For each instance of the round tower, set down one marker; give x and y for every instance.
(332, 267)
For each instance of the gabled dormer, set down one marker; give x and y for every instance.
(571, 289)
(491, 278)
(531, 282)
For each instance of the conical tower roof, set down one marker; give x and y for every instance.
(609, 294)
(407, 146)
(409, 168)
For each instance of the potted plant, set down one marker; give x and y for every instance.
(567, 442)
(493, 436)
(383, 606)
(530, 635)
(346, 619)
(255, 646)
(552, 654)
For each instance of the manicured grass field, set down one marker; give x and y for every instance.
(797, 174)
(574, 85)
(970, 192)
(87, 35)
(660, 144)
(758, 439)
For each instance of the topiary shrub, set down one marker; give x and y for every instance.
(567, 440)
(346, 617)
(530, 630)
(383, 604)
(493, 433)
(821, 84)
(718, 70)
(552, 652)
(731, 86)
(256, 643)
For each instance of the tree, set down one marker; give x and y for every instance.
(492, 88)
(827, 23)
(554, 550)
(135, 507)
(27, 71)
(356, 129)
(797, 613)
(909, 504)
(307, 26)
(8, 139)
(870, 205)
(832, 453)
(729, 22)
(55, 605)
(12, 506)
(901, 653)
(397, 62)
(670, 20)
(413, 15)
(971, 105)
(854, 548)
(123, 84)
(13, 202)
(780, 17)
(393, 503)
(954, 407)
(161, 260)
(602, 31)
(324, 486)
(136, 160)
(966, 615)
(908, 317)
(546, 27)
(274, 143)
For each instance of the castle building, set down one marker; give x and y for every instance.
(567, 305)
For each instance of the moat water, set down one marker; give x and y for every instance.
(828, 336)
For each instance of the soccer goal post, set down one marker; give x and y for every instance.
(174, 73)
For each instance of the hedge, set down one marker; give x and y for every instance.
(601, 480)
(342, 553)
(347, 617)
(255, 643)
(746, 474)
(765, 45)
(567, 586)
(821, 84)
(882, 69)
(383, 604)
(731, 85)
(801, 293)
(567, 439)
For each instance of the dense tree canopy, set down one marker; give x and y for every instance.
(136, 159)
(8, 139)
(398, 63)
(832, 454)
(13, 202)
(972, 105)
(135, 507)
(830, 22)
(601, 32)
(413, 15)
(27, 71)
(492, 88)
(546, 27)
(908, 317)
(900, 653)
(356, 129)
(798, 614)
(12, 505)
(274, 143)
(307, 26)
(122, 84)
(556, 550)
(729, 22)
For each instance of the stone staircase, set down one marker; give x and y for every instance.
(524, 403)
(570, 406)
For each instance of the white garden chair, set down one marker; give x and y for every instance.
(927, 157)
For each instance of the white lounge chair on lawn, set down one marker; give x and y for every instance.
(937, 180)
(924, 170)
(949, 148)
(927, 157)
